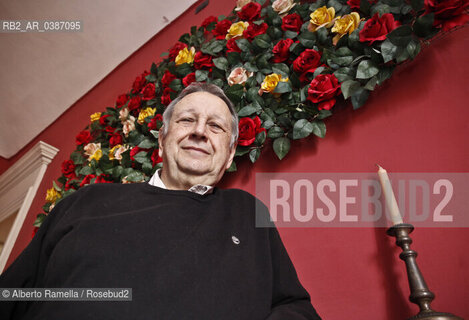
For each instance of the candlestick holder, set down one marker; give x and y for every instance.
(419, 293)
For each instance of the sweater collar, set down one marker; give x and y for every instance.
(198, 188)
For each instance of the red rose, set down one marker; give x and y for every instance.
(167, 78)
(148, 91)
(187, 80)
(448, 13)
(323, 90)
(134, 151)
(139, 82)
(354, 4)
(254, 30)
(250, 11)
(70, 184)
(174, 51)
(281, 50)
(221, 29)
(232, 46)
(155, 157)
(115, 139)
(134, 103)
(121, 100)
(248, 128)
(87, 179)
(208, 21)
(378, 27)
(166, 97)
(202, 60)
(103, 119)
(68, 169)
(307, 60)
(102, 179)
(110, 129)
(292, 22)
(153, 124)
(83, 137)
(35, 229)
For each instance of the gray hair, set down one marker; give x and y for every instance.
(203, 87)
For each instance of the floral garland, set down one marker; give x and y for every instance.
(285, 65)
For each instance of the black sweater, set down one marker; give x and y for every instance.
(175, 249)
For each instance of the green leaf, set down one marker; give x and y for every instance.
(164, 54)
(282, 69)
(348, 87)
(154, 68)
(307, 39)
(283, 87)
(367, 69)
(244, 45)
(141, 157)
(302, 129)
(365, 7)
(417, 5)
(291, 34)
(260, 138)
(235, 93)
(254, 154)
(323, 36)
(388, 50)
(400, 36)
(384, 74)
(281, 147)
(323, 114)
(248, 110)
(117, 172)
(56, 187)
(233, 58)
(241, 151)
(318, 71)
(413, 49)
(380, 8)
(359, 98)
(77, 158)
(343, 74)
(155, 133)
(423, 26)
(213, 47)
(262, 41)
(135, 176)
(39, 219)
(146, 144)
(201, 75)
(86, 170)
(319, 129)
(221, 63)
(275, 132)
(371, 84)
(176, 85)
(147, 167)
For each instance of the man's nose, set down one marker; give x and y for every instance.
(199, 129)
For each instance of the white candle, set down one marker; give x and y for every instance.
(388, 195)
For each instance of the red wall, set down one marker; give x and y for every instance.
(416, 123)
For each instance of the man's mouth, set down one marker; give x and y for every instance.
(192, 148)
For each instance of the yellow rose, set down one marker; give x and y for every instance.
(322, 17)
(97, 155)
(52, 195)
(185, 56)
(236, 30)
(145, 113)
(270, 82)
(93, 151)
(116, 152)
(95, 116)
(344, 25)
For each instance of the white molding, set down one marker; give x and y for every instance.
(18, 187)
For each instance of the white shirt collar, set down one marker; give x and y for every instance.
(198, 188)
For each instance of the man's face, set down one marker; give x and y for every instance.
(197, 143)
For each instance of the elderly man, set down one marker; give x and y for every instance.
(187, 249)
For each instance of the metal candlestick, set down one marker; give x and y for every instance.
(419, 293)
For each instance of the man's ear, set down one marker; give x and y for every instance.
(160, 141)
(232, 153)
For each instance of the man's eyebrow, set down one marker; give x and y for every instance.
(192, 110)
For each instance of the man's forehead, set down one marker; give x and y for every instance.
(203, 102)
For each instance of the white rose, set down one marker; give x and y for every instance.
(128, 125)
(123, 114)
(91, 148)
(238, 75)
(283, 6)
(240, 4)
(118, 153)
